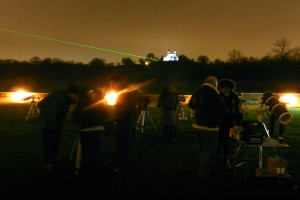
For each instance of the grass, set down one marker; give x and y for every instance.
(157, 168)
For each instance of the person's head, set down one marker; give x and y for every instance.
(167, 90)
(226, 86)
(85, 93)
(116, 82)
(73, 91)
(212, 80)
(173, 89)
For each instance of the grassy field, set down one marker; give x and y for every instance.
(157, 168)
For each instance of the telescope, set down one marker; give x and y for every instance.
(271, 102)
(29, 97)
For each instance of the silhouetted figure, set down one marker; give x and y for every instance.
(233, 118)
(168, 103)
(53, 111)
(126, 112)
(91, 115)
(209, 110)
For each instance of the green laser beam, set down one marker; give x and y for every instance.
(76, 44)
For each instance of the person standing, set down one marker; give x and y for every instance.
(126, 112)
(168, 103)
(233, 118)
(209, 110)
(91, 116)
(53, 111)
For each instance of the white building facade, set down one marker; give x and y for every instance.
(171, 56)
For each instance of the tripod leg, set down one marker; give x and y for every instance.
(184, 115)
(180, 113)
(142, 120)
(78, 158)
(32, 110)
(73, 148)
(36, 108)
(139, 119)
(29, 112)
(148, 114)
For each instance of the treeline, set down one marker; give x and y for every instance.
(279, 71)
(55, 71)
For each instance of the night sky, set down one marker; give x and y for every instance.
(191, 27)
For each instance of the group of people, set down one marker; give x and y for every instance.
(92, 115)
(216, 107)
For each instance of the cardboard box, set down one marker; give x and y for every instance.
(276, 165)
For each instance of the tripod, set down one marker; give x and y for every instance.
(77, 144)
(142, 120)
(33, 109)
(180, 113)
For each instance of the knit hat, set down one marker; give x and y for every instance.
(228, 83)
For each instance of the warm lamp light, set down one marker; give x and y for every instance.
(289, 100)
(19, 96)
(111, 98)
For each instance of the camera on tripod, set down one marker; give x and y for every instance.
(144, 102)
(33, 108)
(32, 97)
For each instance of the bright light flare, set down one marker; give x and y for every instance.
(111, 98)
(20, 95)
(289, 99)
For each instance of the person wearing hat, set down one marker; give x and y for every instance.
(53, 111)
(233, 118)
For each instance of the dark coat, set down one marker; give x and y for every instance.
(168, 103)
(53, 109)
(233, 116)
(126, 108)
(208, 106)
(88, 115)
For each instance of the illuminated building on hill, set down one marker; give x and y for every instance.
(171, 56)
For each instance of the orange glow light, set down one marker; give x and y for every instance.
(19, 96)
(111, 98)
(289, 99)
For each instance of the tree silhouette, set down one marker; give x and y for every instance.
(127, 61)
(235, 56)
(97, 62)
(204, 60)
(282, 50)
